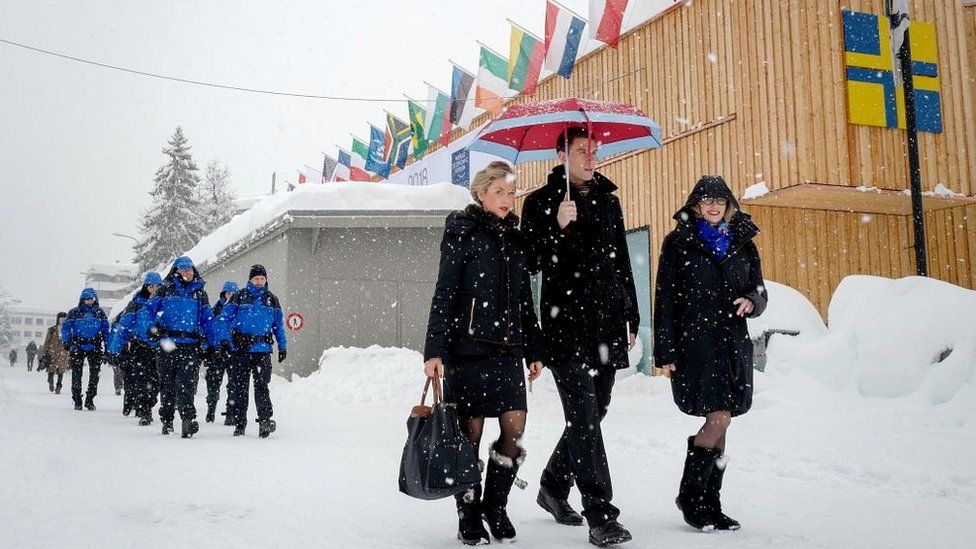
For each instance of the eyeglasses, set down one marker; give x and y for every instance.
(714, 201)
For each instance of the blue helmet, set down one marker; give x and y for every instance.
(183, 262)
(153, 278)
(88, 293)
(229, 286)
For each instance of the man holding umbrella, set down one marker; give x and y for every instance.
(589, 320)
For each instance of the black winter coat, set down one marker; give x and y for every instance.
(695, 325)
(483, 301)
(588, 293)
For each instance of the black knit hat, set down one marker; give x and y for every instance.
(257, 270)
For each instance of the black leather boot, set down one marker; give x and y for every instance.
(699, 463)
(471, 531)
(498, 484)
(713, 496)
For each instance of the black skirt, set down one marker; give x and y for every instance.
(701, 395)
(485, 386)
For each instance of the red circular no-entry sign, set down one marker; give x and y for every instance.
(294, 321)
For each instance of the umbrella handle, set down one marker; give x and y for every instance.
(566, 158)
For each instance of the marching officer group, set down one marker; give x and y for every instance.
(166, 333)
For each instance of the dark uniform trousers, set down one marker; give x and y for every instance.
(580, 455)
(242, 366)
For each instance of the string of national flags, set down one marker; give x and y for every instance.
(472, 94)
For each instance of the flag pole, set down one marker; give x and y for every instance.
(525, 30)
(489, 48)
(562, 7)
(898, 15)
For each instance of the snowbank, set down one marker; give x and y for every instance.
(332, 197)
(356, 375)
(787, 310)
(891, 338)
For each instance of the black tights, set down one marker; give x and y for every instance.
(712, 433)
(512, 425)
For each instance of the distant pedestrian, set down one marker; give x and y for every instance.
(54, 355)
(31, 351)
(84, 332)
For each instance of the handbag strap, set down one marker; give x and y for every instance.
(438, 394)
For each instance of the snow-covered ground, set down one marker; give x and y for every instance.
(829, 456)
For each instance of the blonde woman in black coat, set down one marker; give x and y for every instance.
(482, 326)
(709, 281)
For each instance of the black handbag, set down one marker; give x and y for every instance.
(438, 461)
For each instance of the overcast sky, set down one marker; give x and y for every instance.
(79, 145)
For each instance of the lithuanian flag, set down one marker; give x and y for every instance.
(524, 60)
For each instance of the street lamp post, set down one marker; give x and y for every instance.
(132, 238)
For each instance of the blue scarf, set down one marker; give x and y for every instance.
(716, 239)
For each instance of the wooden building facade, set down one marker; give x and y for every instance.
(755, 90)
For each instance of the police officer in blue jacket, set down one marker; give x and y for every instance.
(250, 320)
(130, 346)
(219, 362)
(179, 317)
(84, 333)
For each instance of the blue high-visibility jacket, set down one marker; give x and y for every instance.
(85, 328)
(218, 327)
(130, 325)
(251, 318)
(180, 311)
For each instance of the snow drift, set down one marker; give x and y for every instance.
(887, 338)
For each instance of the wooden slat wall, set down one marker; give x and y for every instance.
(813, 250)
(951, 245)
(766, 81)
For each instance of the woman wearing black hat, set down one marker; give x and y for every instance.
(709, 280)
(482, 325)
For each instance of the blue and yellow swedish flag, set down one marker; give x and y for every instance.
(873, 98)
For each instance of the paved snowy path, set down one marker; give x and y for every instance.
(810, 468)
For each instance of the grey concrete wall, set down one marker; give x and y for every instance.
(353, 286)
(360, 287)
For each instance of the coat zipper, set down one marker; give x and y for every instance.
(471, 321)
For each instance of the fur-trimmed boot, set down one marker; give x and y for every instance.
(713, 496)
(498, 483)
(471, 531)
(699, 463)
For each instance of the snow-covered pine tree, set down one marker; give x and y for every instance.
(173, 223)
(6, 334)
(216, 196)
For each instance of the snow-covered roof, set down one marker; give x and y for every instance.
(113, 269)
(27, 310)
(365, 199)
(244, 203)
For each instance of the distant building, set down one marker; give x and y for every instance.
(29, 324)
(112, 281)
